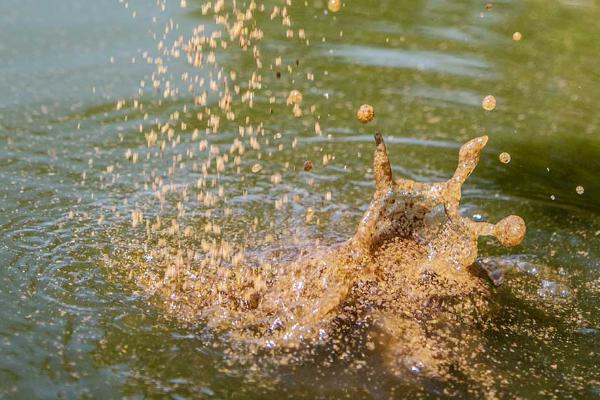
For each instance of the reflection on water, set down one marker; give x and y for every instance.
(71, 327)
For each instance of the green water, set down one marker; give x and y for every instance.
(69, 329)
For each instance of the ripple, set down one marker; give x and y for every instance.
(30, 239)
(587, 331)
(420, 60)
(448, 33)
(389, 140)
(462, 97)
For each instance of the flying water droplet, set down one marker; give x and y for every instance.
(488, 103)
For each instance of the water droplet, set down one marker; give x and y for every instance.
(295, 97)
(334, 5)
(488, 103)
(365, 113)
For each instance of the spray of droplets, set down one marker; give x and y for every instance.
(265, 300)
(210, 78)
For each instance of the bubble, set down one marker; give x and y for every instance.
(334, 5)
(504, 158)
(295, 97)
(580, 189)
(488, 103)
(517, 36)
(308, 165)
(365, 113)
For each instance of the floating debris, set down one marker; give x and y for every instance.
(365, 113)
(504, 157)
(488, 103)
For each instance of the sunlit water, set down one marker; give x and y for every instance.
(72, 327)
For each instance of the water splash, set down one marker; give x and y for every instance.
(406, 278)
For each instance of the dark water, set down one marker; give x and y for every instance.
(70, 329)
